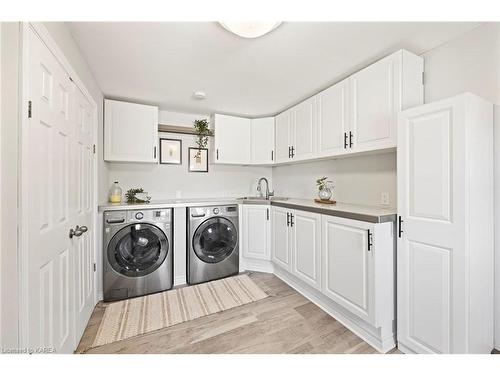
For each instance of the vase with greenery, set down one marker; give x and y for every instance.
(324, 188)
(202, 133)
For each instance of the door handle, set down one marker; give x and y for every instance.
(291, 220)
(293, 152)
(345, 140)
(350, 139)
(77, 232)
(288, 219)
(369, 240)
(289, 152)
(217, 154)
(154, 152)
(400, 226)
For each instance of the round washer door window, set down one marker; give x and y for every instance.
(215, 239)
(137, 250)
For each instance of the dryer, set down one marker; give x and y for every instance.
(212, 243)
(137, 252)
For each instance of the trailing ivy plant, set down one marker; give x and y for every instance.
(202, 133)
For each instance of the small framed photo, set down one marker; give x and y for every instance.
(198, 159)
(170, 151)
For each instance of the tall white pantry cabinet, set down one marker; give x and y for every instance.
(445, 230)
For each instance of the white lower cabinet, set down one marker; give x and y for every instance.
(348, 264)
(306, 246)
(256, 236)
(281, 253)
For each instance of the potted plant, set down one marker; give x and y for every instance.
(324, 188)
(202, 134)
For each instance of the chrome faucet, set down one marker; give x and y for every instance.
(259, 188)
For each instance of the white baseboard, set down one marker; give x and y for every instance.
(360, 328)
(180, 280)
(257, 265)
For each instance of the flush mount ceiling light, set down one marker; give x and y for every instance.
(250, 29)
(200, 95)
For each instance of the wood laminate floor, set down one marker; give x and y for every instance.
(285, 322)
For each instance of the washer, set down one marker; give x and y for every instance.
(212, 243)
(138, 252)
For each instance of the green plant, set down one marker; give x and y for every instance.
(322, 183)
(202, 132)
(130, 195)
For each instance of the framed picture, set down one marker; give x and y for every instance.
(198, 159)
(170, 151)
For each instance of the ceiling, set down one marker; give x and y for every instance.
(164, 63)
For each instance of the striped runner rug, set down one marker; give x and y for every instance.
(149, 313)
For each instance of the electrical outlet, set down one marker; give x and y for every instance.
(384, 198)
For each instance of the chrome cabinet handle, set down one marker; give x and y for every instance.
(78, 231)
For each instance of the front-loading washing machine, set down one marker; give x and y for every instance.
(212, 243)
(138, 252)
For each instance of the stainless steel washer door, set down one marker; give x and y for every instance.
(137, 250)
(215, 240)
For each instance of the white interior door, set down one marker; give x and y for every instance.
(431, 249)
(57, 182)
(348, 265)
(82, 198)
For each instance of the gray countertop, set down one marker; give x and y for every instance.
(372, 214)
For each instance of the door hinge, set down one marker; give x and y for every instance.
(29, 109)
(93, 148)
(95, 267)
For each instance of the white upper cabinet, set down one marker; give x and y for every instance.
(262, 141)
(232, 139)
(377, 93)
(303, 145)
(130, 132)
(332, 120)
(283, 124)
(445, 244)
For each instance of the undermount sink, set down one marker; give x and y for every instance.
(259, 198)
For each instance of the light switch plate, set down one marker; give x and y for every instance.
(384, 198)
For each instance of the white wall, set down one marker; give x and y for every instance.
(471, 62)
(164, 181)
(9, 158)
(358, 179)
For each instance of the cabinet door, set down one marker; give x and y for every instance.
(281, 250)
(375, 102)
(332, 120)
(232, 139)
(431, 248)
(262, 140)
(348, 265)
(256, 232)
(304, 130)
(283, 125)
(306, 247)
(130, 132)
